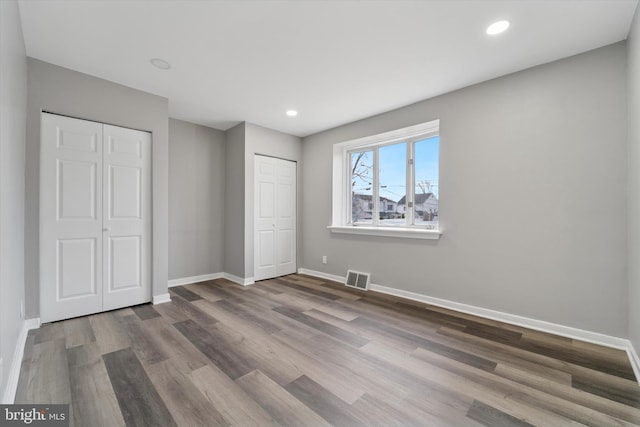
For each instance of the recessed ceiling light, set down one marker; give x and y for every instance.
(292, 113)
(160, 63)
(497, 27)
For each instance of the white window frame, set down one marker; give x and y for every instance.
(341, 194)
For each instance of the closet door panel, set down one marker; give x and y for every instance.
(71, 217)
(286, 217)
(127, 222)
(265, 218)
(77, 264)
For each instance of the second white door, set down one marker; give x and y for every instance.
(275, 217)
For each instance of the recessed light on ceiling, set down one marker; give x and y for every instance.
(292, 113)
(160, 63)
(497, 27)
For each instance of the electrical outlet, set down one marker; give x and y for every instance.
(324, 259)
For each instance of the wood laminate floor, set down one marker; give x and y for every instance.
(300, 351)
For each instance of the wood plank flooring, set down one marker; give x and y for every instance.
(300, 351)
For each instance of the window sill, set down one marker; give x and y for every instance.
(406, 233)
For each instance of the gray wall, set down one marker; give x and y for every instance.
(196, 199)
(532, 197)
(234, 201)
(261, 140)
(633, 98)
(13, 110)
(63, 91)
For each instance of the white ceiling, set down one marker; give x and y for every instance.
(333, 61)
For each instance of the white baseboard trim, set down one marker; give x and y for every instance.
(635, 360)
(538, 325)
(161, 299)
(513, 319)
(14, 372)
(239, 280)
(339, 279)
(195, 279)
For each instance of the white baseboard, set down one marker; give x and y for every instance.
(14, 372)
(635, 360)
(538, 325)
(195, 279)
(513, 319)
(239, 280)
(161, 299)
(339, 279)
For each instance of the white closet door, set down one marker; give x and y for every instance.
(95, 216)
(285, 217)
(127, 217)
(71, 218)
(264, 248)
(275, 217)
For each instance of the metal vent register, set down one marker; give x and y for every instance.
(357, 279)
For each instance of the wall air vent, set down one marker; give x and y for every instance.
(358, 280)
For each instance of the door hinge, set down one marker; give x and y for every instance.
(410, 161)
(410, 204)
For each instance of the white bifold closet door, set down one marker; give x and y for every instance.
(275, 217)
(95, 217)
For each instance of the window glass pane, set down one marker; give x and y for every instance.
(426, 182)
(362, 187)
(392, 179)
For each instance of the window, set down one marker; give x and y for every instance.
(387, 184)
